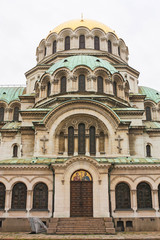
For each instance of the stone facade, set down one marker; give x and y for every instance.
(82, 109)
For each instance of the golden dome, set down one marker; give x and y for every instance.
(90, 24)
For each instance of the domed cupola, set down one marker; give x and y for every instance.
(81, 37)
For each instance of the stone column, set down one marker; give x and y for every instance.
(50, 201)
(65, 145)
(155, 202)
(29, 202)
(108, 86)
(75, 145)
(87, 146)
(8, 199)
(134, 200)
(97, 146)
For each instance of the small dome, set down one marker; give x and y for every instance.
(151, 94)
(89, 61)
(90, 24)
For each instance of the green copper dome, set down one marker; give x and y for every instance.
(9, 94)
(89, 61)
(151, 94)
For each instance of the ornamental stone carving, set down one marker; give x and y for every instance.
(89, 35)
(108, 81)
(43, 87)
(72, 77)
(55, 81)
(91, 77)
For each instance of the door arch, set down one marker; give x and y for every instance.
(81, 194)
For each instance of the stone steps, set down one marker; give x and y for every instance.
(81, 225)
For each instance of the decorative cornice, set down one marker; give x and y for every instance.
(90, 160)
(24, 166)
(137, 166)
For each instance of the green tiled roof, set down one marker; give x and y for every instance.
(9, 94)
(152, 125)
(89, 61)
(12, 125)
(47, 161)
(151, 94)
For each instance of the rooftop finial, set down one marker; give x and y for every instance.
(81, 17)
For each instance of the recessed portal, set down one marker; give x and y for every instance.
(81, 194)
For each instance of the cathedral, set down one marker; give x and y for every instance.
(81, 140)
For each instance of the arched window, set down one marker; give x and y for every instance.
(81, 83)
(40, 197)
(1, 114)
(19, 196)
(159, 194)
(61, 142)
(15, 151)
(48, 89)
(81, 139)
(119, 51)
(96, 43)
(2, 195)
(123, 200)
(81, 41)
(148, 150)
(70, 141)
(115, 88)
(67, 43)
(144, 197)
(92, 139)
(54, 47)
(63, 84)
(109, 46)
(101, 142)
(16, 114)
(100, 84)
(45, 51)
(148, 114)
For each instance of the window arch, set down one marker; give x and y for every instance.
(70, 141)
(63, 84)
(148, 150)
(81, 83)
(19, 196)
(100, 84)
(92, 140)
(81, 41)
(1, 114)
(101, 142)
(115, 88)
(15, 151)
(54, 47)
(16, 114)
(96, 43)
(2, 195)
(119, 51)
(109, 46)
(159, 194)
(48, 89)
(81, 139)
(45, 51)
(67, 43)
(123, 200)
(144, 197)
(148, 114)
(40, 196)
(61, 142)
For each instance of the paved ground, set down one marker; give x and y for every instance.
(126, 235)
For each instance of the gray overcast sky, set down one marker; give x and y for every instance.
(24, 23)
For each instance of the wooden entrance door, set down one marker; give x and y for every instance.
(82, 196)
